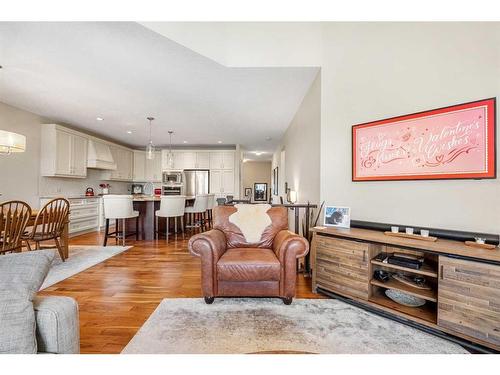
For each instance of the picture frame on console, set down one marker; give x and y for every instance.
(454, 142)
(335, 216)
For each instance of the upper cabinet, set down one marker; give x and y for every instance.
(146, 170)
(139, 166)
(198, 160)
(153, 168)
(63, 152)
(124, 159)
(222, 160)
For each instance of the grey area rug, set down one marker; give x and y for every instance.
(80, 258)
(240, 325)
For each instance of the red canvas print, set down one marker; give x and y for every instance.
(446, 143)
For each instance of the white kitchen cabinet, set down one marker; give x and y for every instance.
(83, 213)
(202, 160)
(228, 182)
(216, 182)
(63, 152)
(124, 160)
(222, 160)
(79, 155)
(221, 182)
(139, 166)
(153, 171)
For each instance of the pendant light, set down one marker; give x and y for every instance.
(170, 156)
(150, 148)
(11, 142)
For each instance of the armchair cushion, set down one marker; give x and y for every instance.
(248, 264)
(228, 220)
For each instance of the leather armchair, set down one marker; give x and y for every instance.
(232, 266)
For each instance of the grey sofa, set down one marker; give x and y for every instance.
(29, 323)
(57, 325)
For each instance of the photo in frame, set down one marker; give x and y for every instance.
(248, 192)
(260, 191)
(336, 216)
(455, 142)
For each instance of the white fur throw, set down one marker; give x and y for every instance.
(252, 220)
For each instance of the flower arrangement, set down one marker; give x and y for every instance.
(105, 188)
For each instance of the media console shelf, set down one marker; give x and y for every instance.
(464, 296)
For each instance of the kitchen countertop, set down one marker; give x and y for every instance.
(136, 198)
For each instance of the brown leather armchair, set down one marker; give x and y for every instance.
(231, 266)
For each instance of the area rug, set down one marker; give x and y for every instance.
(80, 258)
(245, 325)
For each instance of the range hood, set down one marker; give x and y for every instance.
(99, 156)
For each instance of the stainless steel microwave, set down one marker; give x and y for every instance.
(173, 177)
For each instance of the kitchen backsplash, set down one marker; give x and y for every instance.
(50, 186)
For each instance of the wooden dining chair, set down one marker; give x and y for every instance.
(49, 225)
(14, 216)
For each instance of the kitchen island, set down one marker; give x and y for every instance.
(147, 205)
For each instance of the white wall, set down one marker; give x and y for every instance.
(301, 150)
(20, 173)
(373, 71)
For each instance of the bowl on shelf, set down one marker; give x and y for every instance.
(404, 299)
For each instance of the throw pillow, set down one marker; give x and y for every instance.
(21, 276)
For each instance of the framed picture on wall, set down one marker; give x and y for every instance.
(260, 191)
(456, 142)
(248, 192)
(337, 216)
(275, 181)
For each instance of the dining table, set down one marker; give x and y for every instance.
(64, 235)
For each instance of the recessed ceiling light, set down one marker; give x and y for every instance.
(184, 141)
(219, 141)
(99, 118)
(268, 138)
(258, 153)
(129, 131)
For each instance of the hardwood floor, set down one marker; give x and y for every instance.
(117, 296)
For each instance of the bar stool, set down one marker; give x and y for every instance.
(210, 206)
(119, 207)
(197, 211)
(171, 206)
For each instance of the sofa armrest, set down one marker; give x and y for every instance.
(209, 246)
(287, 243)
(57, 325)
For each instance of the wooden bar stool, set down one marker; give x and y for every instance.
(120, 207)
(210, 206)
(196, 212)
(171, 206)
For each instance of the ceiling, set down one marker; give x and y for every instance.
(123, 72)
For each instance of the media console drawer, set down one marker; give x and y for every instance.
(342, 266)
(469, 298)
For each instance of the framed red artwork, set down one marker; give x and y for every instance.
(456, 142)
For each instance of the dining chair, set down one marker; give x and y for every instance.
(196, 212)
(14, 216)
(119, 207)
(49, 225)
(171, 206)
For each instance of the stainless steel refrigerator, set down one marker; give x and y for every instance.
(196, 182)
